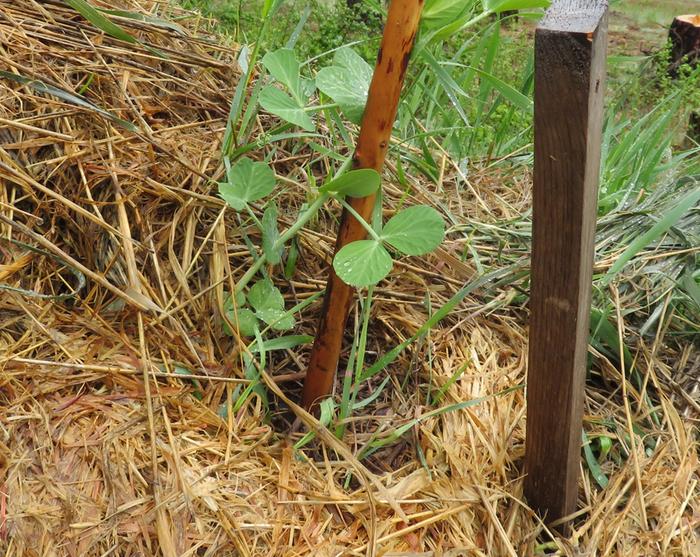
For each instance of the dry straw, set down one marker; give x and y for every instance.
(104, 450)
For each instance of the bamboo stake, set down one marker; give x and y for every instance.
(375, 132)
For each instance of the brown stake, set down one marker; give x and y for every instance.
(375, 132)
(570, 45)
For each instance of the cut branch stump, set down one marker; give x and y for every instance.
(684, 35)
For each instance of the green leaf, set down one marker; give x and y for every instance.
(415, 231)
(371, 398)
(437, 13)
(151, 20)
(270, 234)
(592, 463)
(523, 102)
(504, 5)
(355, 183)
(247, 181)
(244, 319)
(691, 287)
(362, 263)
(228, 303)
(605, 446)
(278, 319)
(269, 8)
(292, 258)
(100, 21)
(284, 67)
(347, 82)
(327, 409)
(265, 295)
(662, 225)
(268, 303)
(281, 104)
(435, 318)
(449, 85)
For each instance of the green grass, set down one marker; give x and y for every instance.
(655, 16)
(327, 24)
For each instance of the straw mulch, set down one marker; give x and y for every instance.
(106, 450)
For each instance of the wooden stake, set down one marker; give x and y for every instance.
(570, 45)
(375, 132)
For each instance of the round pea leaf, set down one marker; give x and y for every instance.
(362, 263)
(264, 295)
(245, 319)
(284, 67)
(437, 13)
(278, 319)
(355, 183)
(280, 104)
(347, 82)
(247, 181)
(228, 300)
(415, 231)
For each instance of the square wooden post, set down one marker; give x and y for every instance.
(570, 53)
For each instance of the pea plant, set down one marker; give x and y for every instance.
(415, 230)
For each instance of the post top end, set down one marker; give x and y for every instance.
(577, 16)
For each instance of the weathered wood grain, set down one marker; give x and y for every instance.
(570, 45)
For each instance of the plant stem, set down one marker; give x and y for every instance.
(320, 107)
(256, 220)
(283, 239)
(359, 218)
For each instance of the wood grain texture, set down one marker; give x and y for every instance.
(570, 45)
(372, 145)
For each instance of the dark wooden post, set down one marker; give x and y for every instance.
(570, 51)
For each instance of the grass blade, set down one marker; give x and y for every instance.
(100, 21)
(661, 226)
(70, 98)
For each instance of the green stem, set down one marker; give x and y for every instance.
(283, 239)
(362, 221)
(320, 107)
(292, 230)
(256, 220)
